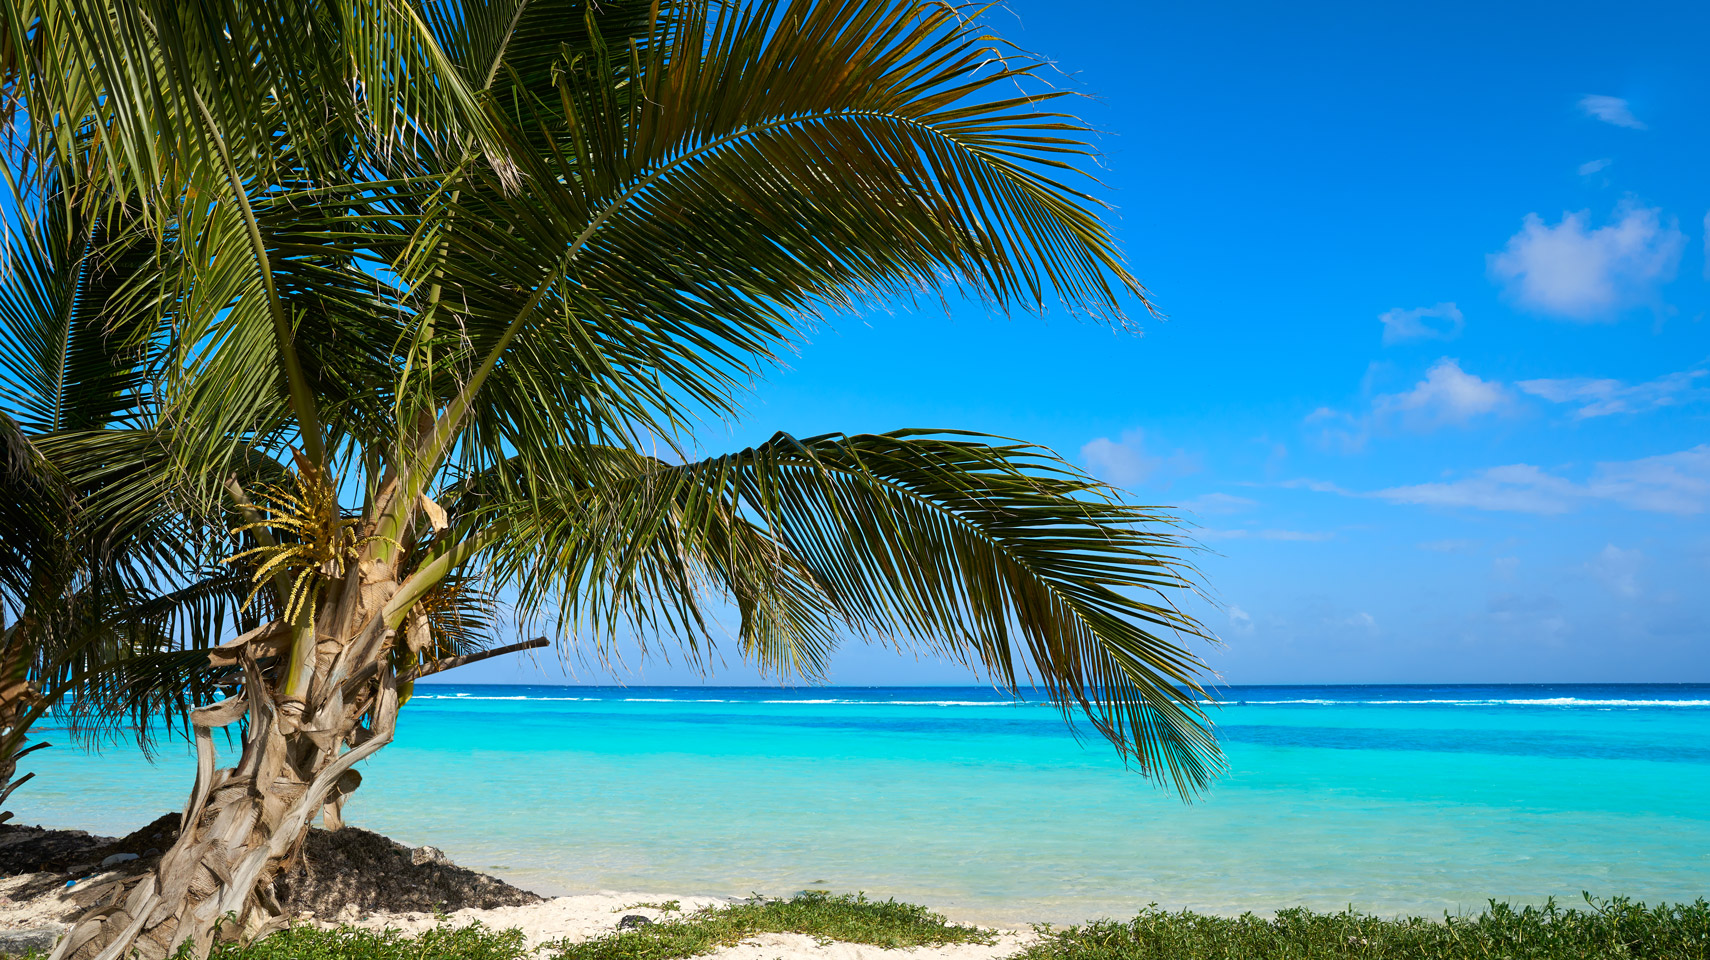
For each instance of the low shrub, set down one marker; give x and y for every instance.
(1616, 928)
(847, 918)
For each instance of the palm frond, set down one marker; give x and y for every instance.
(777, 160)
(997, 554)
(67, 361)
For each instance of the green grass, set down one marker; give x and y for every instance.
(1613, 929)
(852, 918)
(665, 906)
(474, 942)
(849, 918)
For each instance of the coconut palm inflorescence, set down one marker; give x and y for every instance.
(428, 285)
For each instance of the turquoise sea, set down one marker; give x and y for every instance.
(1393, 799)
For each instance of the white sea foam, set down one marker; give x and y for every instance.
(911, 703)
(1228, 701)
(466, 696)
(665, 700)
(1538, 702)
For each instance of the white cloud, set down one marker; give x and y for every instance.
(1127, 464)
(1613, 110)
(1218, 503)
(1316, 486)
(1675, 483)
(1570, 270)
(1240, 621)
(1600, 398)
(1447, 395)
(1672, 483)
(1521, 488)
(1590, 167)
(1450, 546)
(1441, 322)
(1340, 430)
(1363, 620)
(1298, 536)
(1617, 570)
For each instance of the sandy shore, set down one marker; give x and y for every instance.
(575, 918)
(587, 916)
(366, 880)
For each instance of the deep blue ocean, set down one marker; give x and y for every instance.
(1391, 799)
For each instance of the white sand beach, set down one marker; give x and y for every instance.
(574, 918)
(586, 916)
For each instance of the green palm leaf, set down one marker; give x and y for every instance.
(997, 554)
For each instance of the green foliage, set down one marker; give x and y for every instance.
(1617, 928)
(663, 906)
(549, 238)
(474, 942)
(1611, 929)
(847, 918)
(850, 918)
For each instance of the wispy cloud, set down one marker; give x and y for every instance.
(1127, 463)
(1672, 483)
(1218, 503)
(1676, 483)
(1520, 488)
(1240, 621)
(1617, 570)
(1441, 322)
(1298, 536)
(1600, 398)
(1448, 395)
(1316, 486)
(1572, 270)
(1613, 110)
(1590, 167)
(1361, 620)
(1450, 546)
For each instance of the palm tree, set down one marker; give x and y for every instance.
(85, 631)
(87, 625)
(33, 501)
(444, 276)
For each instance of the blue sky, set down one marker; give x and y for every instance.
(1435, 375)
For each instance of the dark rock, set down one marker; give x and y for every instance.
(117, 859)
(421, 855)
(632, 920)
(33, 940)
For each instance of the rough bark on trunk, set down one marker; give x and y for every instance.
(246, 823)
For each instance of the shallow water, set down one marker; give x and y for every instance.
(1391, 799)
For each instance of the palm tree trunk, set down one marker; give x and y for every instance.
(246, 823)
(13, 732)
(18, 710)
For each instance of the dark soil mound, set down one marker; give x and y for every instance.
(34, 850)
(61, 855)
(352, 867)
(349, 867)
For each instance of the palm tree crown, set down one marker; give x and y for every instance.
(419, 284)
